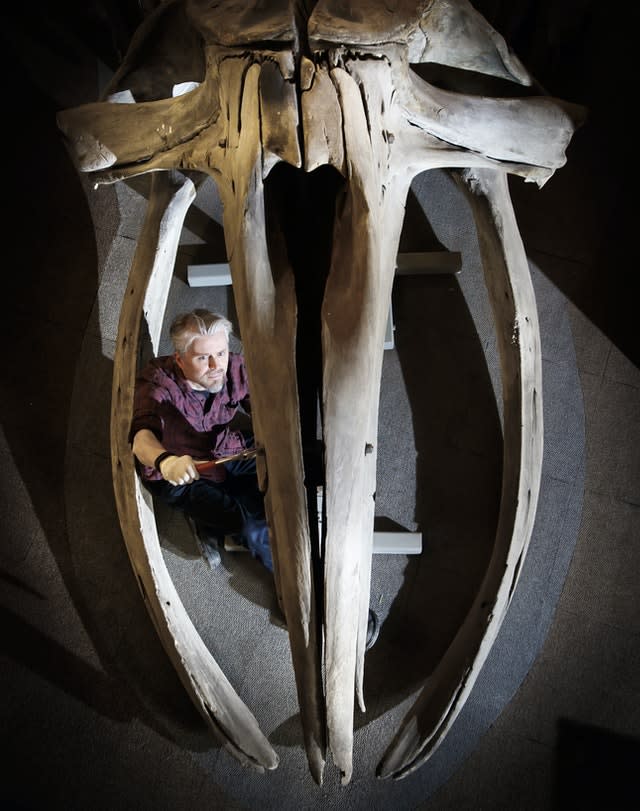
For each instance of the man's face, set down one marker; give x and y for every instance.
(205, 363)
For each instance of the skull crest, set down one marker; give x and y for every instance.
(258, 96)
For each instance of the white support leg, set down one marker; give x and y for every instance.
(397, 543)
(384, 543)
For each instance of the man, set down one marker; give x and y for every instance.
(183, 406)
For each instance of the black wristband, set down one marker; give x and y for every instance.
(160, 459)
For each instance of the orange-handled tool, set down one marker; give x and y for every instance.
(249, 453)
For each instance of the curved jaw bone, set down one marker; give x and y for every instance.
(333, 92)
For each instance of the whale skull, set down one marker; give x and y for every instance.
(258, 96)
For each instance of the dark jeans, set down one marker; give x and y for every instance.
(223, 507)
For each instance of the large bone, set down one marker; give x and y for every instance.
(266, 303)
(149, 280)
(352, 102)
(517, 331)
(428, 29)
(354, 315)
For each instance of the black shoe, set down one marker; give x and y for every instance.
(373, 629)
(210, 552)
(207, 541)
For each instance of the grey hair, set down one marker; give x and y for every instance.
(188, 326)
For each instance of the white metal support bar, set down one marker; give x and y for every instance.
(433, 262)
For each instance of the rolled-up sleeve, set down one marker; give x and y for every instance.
(147, 399)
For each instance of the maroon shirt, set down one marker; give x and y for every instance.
(186, 421)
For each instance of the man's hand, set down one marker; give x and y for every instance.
(179, 470)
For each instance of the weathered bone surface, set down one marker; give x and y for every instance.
(147, 291)
(313, 85)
